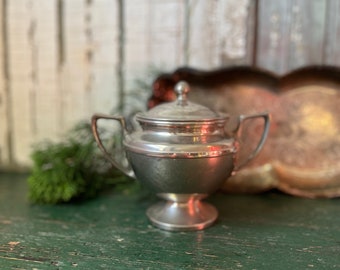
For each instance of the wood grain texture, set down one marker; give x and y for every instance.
(203, 34)
(22, 51)
(273, 31)
(271, 231)
(218, 33)
(33, 74)
(292, 34)
(64, 60)
(5, 127)
(307, 33)
(331, 51)
(76, 68)
(47, 100)
(158, 39)
(102, 83)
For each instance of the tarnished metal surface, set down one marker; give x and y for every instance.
(183, 148)
(302, 154)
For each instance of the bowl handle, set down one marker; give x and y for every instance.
(238, 131)
(126, 169)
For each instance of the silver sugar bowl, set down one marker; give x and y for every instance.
(182, 152)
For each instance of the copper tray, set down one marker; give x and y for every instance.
(302, 154)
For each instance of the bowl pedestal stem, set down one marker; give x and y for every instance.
(182, 212)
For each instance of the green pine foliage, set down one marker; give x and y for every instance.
(75, 168)
(70, 170)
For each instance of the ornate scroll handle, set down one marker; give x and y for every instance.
(118, 164)
(238, 131)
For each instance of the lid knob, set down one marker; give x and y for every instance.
(181, 89)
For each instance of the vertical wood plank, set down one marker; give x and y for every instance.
(47, 98)
(307, 30)
(104, 84)
(290, 34)
(218, 33)
(33, 74)
(21, 51)
(274, 18)
(158, 37)
(251, 36)
(154, 40)
(233, 32)
(121, 55)
(332, 34)
(139, 48)
(166, 23)
(204, 35)
(137, 37)
(74, 74)
(5, 148)
(89, 69)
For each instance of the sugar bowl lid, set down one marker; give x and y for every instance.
(180, 110)
(180, 129)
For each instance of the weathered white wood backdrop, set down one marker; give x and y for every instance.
(63, 60)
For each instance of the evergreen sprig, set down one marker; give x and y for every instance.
(70, 170)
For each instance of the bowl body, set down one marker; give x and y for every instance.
(200, 175)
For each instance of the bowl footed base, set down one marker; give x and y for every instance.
(185, 215)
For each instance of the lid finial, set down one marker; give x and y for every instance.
(182, 89)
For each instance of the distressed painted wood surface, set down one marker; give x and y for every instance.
(61, 61)
(331, 52)
(296, 33)
(64, 60)
(271, 231)
(5, 151)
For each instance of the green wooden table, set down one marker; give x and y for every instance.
(267, 231)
